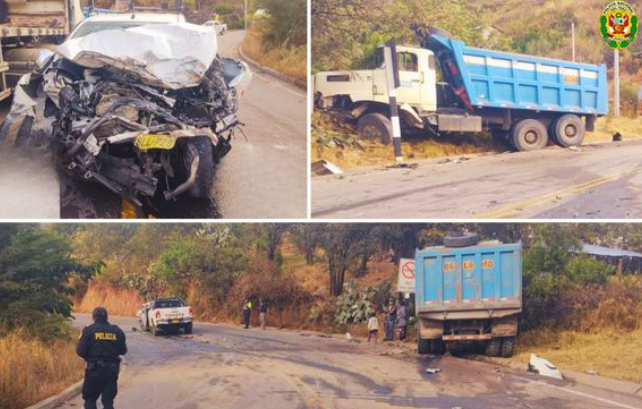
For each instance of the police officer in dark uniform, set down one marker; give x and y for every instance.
(100, 345)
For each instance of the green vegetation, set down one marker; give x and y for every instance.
(279, 38)
(36, 342)
(318, 276)
(216, 266)
(346, 34)
(35, 264)
(356, 304)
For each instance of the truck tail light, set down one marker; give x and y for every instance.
(189, 311)
(157, 314)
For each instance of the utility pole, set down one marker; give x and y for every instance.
(246, 14)
(392, 80)
(573, 39)
(616, 82)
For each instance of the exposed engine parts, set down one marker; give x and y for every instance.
(136, 136)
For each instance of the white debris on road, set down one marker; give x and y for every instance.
(544, 367)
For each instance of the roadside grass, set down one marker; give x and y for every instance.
(605, 127)
(612, 353)
(365, 153)
(33, 370)
(346, 150)
(118, 302)
(290, 61)
(602, 331)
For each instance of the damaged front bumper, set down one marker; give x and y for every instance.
(145, 127)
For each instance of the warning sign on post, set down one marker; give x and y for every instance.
(406, 278)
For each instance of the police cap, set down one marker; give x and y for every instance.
(99, 312)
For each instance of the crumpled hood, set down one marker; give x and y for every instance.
(173, 56)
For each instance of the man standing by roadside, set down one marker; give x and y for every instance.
(263, 307)
(247, 312)
(101, 345)
(391, 316)
(402, 321)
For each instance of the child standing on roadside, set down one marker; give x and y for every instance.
(373, 327)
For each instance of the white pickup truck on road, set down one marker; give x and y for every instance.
(165, 315)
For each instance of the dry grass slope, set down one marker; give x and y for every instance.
(288, 61)
(417, 147)
(118, 302)
(611, 353)
(32, 371)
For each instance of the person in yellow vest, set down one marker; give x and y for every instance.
(247, 312)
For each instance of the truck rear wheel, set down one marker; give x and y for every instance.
(508, 346)
(494, 346)
(568, 130)
(529, 135)
(437, 346)
(376, 127)
(424, 346)
(188, 328)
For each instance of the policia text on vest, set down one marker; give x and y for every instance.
(101, 345)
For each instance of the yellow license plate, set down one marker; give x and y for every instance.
(175, 321)
(154, 141)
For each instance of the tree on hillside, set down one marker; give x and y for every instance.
(369, 244)
(306, 238)
(553, 268)
(401, 238)
(287, 22)
(341, 243)
(273, 235)
(195, 263)
(34, 266)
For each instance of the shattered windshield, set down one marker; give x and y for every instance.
(90, 28)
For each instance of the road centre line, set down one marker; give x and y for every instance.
(515, 209)
(585, 395)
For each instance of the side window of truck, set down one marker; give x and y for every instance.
(407, 61)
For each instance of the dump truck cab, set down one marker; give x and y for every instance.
(417, 75)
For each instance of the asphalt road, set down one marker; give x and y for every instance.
(596, 181)
(264, 176)
(232, 368)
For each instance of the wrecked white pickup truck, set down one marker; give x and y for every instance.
(146, 111)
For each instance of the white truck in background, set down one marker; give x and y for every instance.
(220, 27)
(165, 315)
(29, 31)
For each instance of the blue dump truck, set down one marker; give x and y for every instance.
(468, 292)
(448, 87)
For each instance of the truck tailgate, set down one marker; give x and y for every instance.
(472, 278)
(173, 313)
